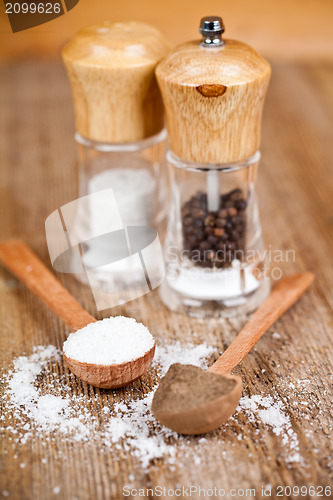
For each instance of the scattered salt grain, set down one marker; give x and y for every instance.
(56, 490)
(126, 425)
(272, 413)
(276, 335)
(5, 493)
(111, 340)
(177, 353)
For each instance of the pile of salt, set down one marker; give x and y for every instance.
(109, 341)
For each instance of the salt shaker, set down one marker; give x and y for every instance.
(121, 137)
(213, 92)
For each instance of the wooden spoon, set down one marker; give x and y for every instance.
(210, 414)
(18, 258)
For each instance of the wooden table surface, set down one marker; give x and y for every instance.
(295, 187)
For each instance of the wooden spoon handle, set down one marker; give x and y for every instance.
(18, 258)
(284, 295)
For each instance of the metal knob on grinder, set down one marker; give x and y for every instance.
(212, 29)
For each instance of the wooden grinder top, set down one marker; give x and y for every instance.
(213, 97)
(111, 71)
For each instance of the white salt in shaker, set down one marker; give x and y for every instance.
(121, 139)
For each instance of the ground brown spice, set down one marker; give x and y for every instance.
(185, 387)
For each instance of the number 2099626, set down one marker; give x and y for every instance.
(32, 8)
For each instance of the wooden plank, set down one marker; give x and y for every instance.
(38, 174)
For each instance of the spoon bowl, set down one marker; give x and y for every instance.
(205, 417)
(111, 376)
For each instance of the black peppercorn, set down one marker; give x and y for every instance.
(214, 239)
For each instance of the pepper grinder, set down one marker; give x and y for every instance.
(213, 92)
(120, 134)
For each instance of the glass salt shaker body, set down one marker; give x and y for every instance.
(121, 139)
(213, 92)
(134, 173)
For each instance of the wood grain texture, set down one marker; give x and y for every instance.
(19, 259)
(111, 69)
(38, 175)
(213, 99)
(284, 295)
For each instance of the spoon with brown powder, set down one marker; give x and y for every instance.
(190, 400)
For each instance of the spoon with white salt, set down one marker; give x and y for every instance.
(110, 353)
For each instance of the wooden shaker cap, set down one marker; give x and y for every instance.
(213, 99)
(111, 71)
